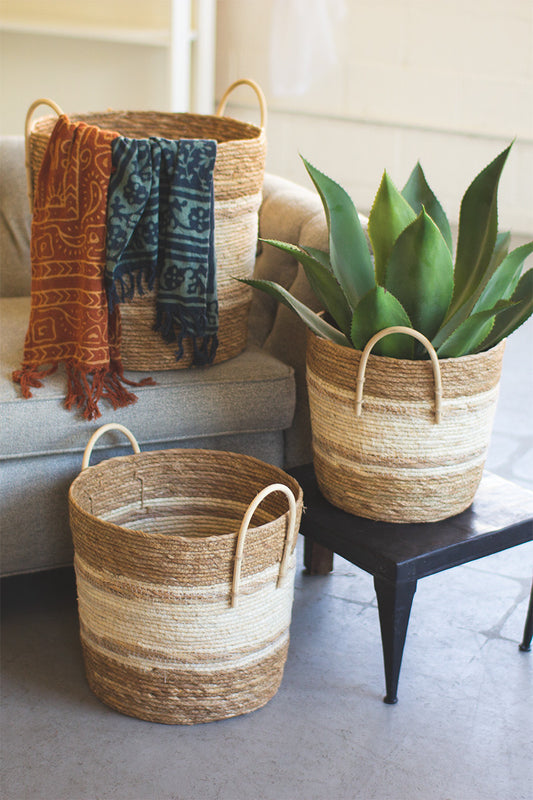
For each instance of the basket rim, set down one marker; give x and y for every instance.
(282, 476)
(85, 116)
(322, 341)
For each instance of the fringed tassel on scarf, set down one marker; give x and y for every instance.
(70, 322)
(126, 287)
(161, 234)
(86, 390)
(172, 329)
(29, 377)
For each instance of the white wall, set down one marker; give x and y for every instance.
(96, 54)
(79, 74)
(58, 49)
(361, 85)
(375, 84)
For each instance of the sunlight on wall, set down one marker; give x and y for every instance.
(297, 61)
(356, 86)
(450, 84)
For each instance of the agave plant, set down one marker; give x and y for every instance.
(408, 277)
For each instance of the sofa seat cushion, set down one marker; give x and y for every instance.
(253, 392)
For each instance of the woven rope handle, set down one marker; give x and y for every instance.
(42, 101)
(111, 426)
(275, 487)
(258, 91)
(432, 354)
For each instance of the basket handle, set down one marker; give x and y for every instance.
(274, 487)
(110, 426)
(432, 354)
(257, 89)
(42, 101)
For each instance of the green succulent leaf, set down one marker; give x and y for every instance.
(419, 195)
(322, 282)
(420, 274)
(478, 223)
(319, 255)
(471, 333)
(494, 280)
(501, 249)
(377, 310)
(389, 216)
(504, 280)
(462, 312)
(312, 320)
(348, 249)
(513, 317)
(406, 276)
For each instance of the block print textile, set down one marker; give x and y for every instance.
(161, 235)
(69, 319)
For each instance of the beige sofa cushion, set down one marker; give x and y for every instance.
(15, 221)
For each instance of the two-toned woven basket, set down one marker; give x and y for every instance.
(238, 180)
(412, 446)
(185, 569)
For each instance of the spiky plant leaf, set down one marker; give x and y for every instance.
(419, 195)
(512, 318)
(312, 320)
(478, 224)
(389, 216)
(323, 283)
(501, 248)
(377, 310)
(487, 302)
(471, 303)
(470, 334)
(319, 255)
(505, 278)
(348, 249)
(420, 274)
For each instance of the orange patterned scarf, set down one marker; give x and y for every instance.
(69, 320)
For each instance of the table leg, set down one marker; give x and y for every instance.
(318, 560)
(394, 605)
(528, 628)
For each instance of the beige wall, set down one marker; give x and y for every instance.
(81, 55)
(111, 13)
(95, 54)
(79, 74)
(355, 85)
(447, 83)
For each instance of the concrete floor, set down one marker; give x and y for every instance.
(462, 729)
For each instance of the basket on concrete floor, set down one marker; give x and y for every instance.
(412, 446)
(185, 570)
(238, 180)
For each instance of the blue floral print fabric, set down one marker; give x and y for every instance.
(160, 233)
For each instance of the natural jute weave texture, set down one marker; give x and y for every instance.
(394, 462)
(155, 538)
(238, 180)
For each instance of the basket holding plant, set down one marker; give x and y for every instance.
(413, 448)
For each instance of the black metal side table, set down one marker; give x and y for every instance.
(397, 555)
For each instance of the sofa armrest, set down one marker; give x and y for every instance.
(292, 214)
(15, 220)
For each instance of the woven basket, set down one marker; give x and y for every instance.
(238, 181)
(412, 447)
(185, 569)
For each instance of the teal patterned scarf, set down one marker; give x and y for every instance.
(160, 232)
